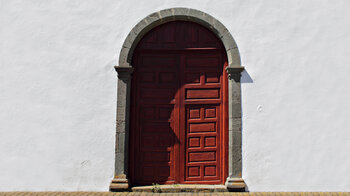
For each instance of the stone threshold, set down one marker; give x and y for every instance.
(176, 188)
(173, 194)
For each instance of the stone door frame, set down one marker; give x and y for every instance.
(125, 69)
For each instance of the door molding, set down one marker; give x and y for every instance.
(124, 69)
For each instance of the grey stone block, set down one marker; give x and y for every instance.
(235, 124)
(120, 126)
(195, 13)
(181, 14)
(123, 56)
(121, 142)
(235, 94)
(236, 110)
(209, 20)
(227, 39)
(152, 18)
(221, 30)
(236, 138)
(139, 27)
(136, 34)
(236, 156)
(196, 16)
(129, 40)
(167, 14)
(119, 163)
(233, 56)
(180, 11)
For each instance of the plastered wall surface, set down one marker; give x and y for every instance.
(58, 90)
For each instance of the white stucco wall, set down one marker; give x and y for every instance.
(58, 90)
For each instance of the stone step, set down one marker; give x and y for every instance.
(173, 194)
(176, 188)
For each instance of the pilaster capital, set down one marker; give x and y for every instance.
(234, 73)
(124, 72)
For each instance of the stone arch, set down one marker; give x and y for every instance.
(124, 69)
(184, 14)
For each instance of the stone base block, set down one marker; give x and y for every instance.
(235, 184)
(119, 184)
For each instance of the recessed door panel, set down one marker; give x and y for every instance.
(153, 128)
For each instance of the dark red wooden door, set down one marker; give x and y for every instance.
(179, 107)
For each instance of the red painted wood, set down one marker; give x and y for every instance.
(179, 107)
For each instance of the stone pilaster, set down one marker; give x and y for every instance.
(120, 181)
(234, 181)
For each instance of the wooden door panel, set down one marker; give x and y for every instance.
(202, 150)
(196, 61)
(212, 77)
(202, 93)
(153, 61)
(156, 86)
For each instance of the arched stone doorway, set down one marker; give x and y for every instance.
(232, 131)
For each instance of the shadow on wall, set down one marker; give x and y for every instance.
(245, 77)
